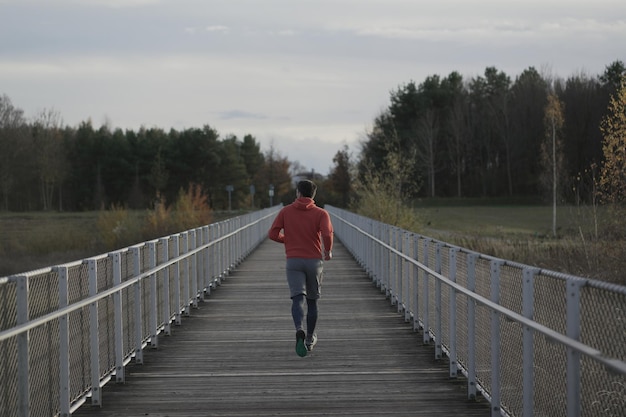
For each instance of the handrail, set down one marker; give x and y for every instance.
(176, 280)
(392, 258)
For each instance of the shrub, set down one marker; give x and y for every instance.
(117, 228)
(191, 209)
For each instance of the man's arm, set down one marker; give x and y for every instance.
(275, 233)
(327, 237)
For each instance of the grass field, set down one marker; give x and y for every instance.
(39, 239)
(35, 240)
(508, 221)
(585, 244)
(521, 233)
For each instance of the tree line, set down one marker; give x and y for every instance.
(47, 166)
(488, 136)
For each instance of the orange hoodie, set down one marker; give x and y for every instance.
(304, 227)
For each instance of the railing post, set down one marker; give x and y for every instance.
(167, 312)
(186, 266)
(495, 339)
(214, 232)
(387, 258)
(573, 356)
(94, 335)
(371, 251)
(377, 259)
(453, 368)
(177, 300)
(22, 347)
(117, 319)
(416, 287)
(438, 319)
(64, 345)
(201, 278)
(234, 245)
(425, 293)
(154, 323)
(194, 269)
(528, 365)
(471, 328)
(380, 259)
(136, 254)
(212, 259)
(392, 269)
(406, 276)
(207, 261)
(220, 252)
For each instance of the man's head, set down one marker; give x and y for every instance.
(306, 188)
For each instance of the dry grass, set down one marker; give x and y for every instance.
(518, 233)
(586, 243)
(35, 240)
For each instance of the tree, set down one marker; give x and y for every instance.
(231, 172)
(253, 160)
(384, 195)
(527, 121)
(498, 100)
(613, 127)
(584, 104)
(159, 177)
(483, 150)
(251, 155)
(552, 149)
(274, 172)
(613, 75)
(426, 146)
(456, 125)
(12, 143)
(340, 177)
(50, 156)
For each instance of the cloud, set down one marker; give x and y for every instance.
(307, 75)
(239, 114)
(217, 28)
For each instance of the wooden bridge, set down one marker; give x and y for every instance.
(234, 355)
(198, 323)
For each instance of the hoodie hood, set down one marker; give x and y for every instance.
(304, 203)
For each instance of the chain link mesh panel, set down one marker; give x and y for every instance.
(8, 349)
(602, 324)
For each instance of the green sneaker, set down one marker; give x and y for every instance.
(300, 347)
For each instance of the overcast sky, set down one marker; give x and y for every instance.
(305, 77)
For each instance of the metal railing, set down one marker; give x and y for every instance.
(533, 342)
(65, 331)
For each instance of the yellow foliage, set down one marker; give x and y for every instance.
(158, 221)
(381, 197)
(115, 227)
(191, 209)
(613, 173)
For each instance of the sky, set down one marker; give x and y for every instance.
(305, 78)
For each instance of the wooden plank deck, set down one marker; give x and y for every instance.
(235, 355)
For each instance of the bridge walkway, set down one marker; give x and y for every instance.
(234, 355)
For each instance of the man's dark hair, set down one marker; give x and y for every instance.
(307, 188)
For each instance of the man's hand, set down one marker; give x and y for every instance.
(328, 255)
